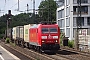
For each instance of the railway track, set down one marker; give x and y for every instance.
(56, 57)
(30, 54)
(72, 54)
(69, 55)
(14, 51)
(63, 54)
(77, 51)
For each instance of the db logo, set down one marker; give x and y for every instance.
(49, 36)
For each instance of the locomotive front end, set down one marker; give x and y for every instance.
(50, 35)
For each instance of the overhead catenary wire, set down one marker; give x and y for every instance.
(5, 5)
(12, 6)
(15, 4)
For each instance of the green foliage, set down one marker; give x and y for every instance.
(17, 20)
(62, 35)
(1, 36)
(71, 43)
(47, 10)
(7, 40)
(21, 19)
(2, 24)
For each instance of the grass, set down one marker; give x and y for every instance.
(7, 40)
(71, 43)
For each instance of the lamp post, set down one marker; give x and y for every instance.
(8, 20)
(78, 22)
(18, 5)
(7, 27)
(33, 10)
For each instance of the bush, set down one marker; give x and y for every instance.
(7, 40)
(62, 35)
(71, 44)
(1, 36)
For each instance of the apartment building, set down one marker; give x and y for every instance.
(67, 16)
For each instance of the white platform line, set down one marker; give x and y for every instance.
(16, 58)
(2, 57)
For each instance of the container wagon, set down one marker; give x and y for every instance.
(14, 33)
(26, 35)
(18, 35)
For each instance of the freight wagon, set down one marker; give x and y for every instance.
(14, 33)
(18, 35)
(26, 35)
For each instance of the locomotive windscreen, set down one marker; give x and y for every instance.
(45, 30)
(53, 30)
(49, 30)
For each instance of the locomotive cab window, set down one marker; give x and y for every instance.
(45, 30)
(53, 30)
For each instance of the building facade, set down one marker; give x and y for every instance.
(67, 16)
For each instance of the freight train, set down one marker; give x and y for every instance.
(41, 37)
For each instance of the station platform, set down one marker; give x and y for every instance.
(6, 55)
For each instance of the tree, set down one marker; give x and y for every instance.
(17, 20)
(47, 10)
(2, 24)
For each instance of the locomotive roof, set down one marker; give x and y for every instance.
(37, 25)
(34, 26)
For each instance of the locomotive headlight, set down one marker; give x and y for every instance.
(55, 37)
(56, 41)
(44, 37)
(43, 41)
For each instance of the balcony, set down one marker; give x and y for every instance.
(83, 13)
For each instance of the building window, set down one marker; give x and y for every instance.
(67, 11)
(82, 1)
(67, 2)
(61, 14)
(75, 10)
(60, 3)
(80, 21)
(88, 21)
(74, 22)
(61, 23)
(67, 22)
(68, 32)
(84, 10)
(74, 1)
(74, 32)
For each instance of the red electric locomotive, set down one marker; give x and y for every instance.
(44, 37)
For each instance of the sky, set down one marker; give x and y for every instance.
(12, 5)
